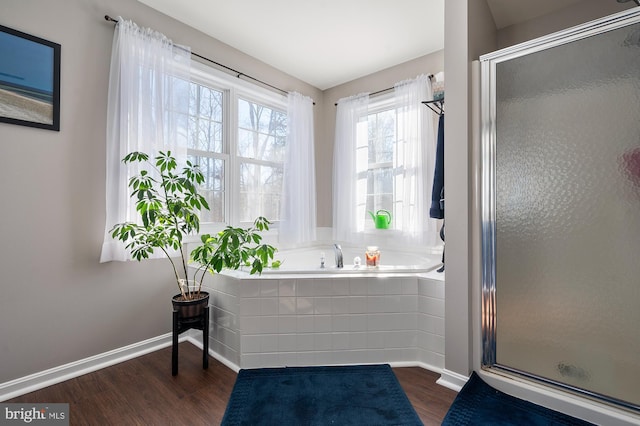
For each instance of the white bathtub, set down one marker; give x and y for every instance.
(308, 261)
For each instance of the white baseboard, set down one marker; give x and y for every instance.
(68, 371)
(452, 380)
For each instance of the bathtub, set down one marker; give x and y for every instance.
(307, 261)
(301, 314)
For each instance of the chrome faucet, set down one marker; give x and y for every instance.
(338, 252)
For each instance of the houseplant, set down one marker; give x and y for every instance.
(169, 203)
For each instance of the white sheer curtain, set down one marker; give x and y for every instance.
(416, 149)
(350, 112)
(298, 223)
(148, 103)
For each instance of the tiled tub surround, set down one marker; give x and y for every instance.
(324, 319)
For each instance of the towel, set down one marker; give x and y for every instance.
(437, 195)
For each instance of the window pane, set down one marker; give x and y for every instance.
(376, 167)
(260, 189)
(382, 136)
(205, 121)
(261, 132)
(213, 187)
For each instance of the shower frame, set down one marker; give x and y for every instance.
(487, 176)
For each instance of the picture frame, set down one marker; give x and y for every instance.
(29, 80)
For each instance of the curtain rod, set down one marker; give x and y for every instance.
(238, 73)
(430, 77)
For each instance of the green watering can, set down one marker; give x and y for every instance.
(381, 219)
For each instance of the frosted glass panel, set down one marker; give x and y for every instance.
(568, 213)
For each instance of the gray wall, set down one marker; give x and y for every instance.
(59, 304)
(576, 14)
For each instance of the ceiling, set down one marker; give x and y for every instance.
(330, 42)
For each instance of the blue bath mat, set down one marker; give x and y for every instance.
(480, 404)
(349, 395)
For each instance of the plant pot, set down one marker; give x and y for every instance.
(190, 308)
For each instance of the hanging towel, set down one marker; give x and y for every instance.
(437, 195)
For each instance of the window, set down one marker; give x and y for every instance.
(378, 167)
(206, 147)
(237, 135)
(262, 137)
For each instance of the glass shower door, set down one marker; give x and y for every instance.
(561, 221)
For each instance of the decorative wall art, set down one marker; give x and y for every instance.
(29, 80)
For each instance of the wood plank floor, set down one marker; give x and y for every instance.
(143, 392)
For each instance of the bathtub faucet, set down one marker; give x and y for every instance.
(338, 251)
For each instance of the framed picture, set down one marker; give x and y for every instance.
(29, 80)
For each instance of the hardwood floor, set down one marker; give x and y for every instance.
(142, 391)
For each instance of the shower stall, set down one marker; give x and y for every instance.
(560, 205)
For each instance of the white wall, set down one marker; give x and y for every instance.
(469, 32)
(59, 304)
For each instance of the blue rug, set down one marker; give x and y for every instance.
(480, 404)
(349, 395)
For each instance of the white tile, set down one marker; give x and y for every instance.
(322, 323)
(304, 305)
(287, 324)
(431, 288)
(393, 286)
(340, 305)
(379, 304)
(287, 305)
(304, 342)
(322, 305)
(287, 288)
(340, 286)
(410, 286)
(323, 287)
(251, 325)
(323, 358)
(340, 341)
(268, 343)
(357, 340)
(377, 287)
(407, 303)
(289, 359)
(376, 340)
(268, 325)
(358, 322)
(250, 306)
(431, 324)
(358, 305)
(250, 288)
(306, 358)
(322, 341)
(305, 288)
(269, 288)
(341, 323)
(287, 343)
(431, 306)
(269, 306)
(357, 286)
(431, 342)
(250, 343)
(305, 324)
